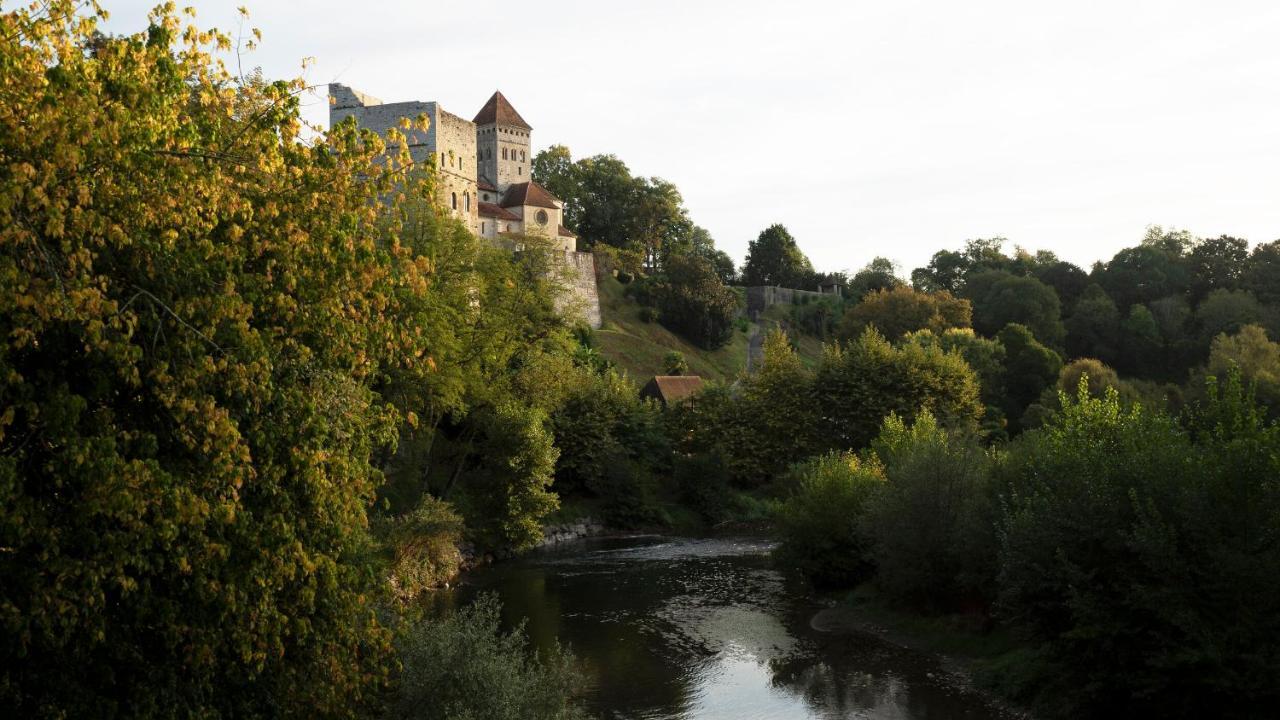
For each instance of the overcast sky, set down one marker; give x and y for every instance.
(867, 128)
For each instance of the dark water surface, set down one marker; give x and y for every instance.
(709, 629)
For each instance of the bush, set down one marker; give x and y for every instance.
(821, 522)
(673, 363)
(703, 484)
(1146, 555)
(424, 544)
(465, 668)
(933, 522)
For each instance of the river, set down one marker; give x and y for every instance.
(708, 629)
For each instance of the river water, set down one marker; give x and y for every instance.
(709, 629)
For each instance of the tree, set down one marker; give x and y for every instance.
(673, 363)
(1143, 274)
(879, 274)
(901, 310)
(694, 302)
(1068, 280)
(1141, 344)
(773, 258)
(1030, 367)
(554, 170)
(196, 309)
(1261, 274)
(1225, 311)
(821, 521)
(1094, 328)
(1256, 358)
(857, 385)
(1216, 264)
(1000, 298)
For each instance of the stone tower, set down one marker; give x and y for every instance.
(502, 144)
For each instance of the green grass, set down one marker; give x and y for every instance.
(639, 347)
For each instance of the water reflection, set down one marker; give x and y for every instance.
(707, 629)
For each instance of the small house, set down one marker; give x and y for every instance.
(671, 389)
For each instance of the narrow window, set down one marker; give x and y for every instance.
(482, 227)
(504, 153)
(519, 170)
(441, 159)
(455, 201)
(466, 201)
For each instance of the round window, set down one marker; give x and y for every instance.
(542, 217)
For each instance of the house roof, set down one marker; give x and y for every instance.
(529, 193)
(483, 184)
(498, 110)
(566, 232)
(670, 389)
(493, 211)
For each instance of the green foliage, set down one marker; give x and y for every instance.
(820, 523)
(694, 302)
(601, 423)
(673, 363)
(774, 258)
(196, 308)
(932, 523)
(1261, 274)
(901, 310)
(1029, 368)
(465, 668)
(1145, 555)
(857, 385)
(1095, 375)
(1000, 298)
(985, 357)
(424, 545)
(1255, 357)
(1226, 311)
(879, 274)
(1094, 328)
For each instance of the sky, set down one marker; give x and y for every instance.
(868, 129)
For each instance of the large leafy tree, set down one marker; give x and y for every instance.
(1000, 298)
(196, 307)
(695, 302)
(900, 310)
(774, 258)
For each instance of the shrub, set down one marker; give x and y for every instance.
(673, 363)
(703, 483)
(1146, 556)
(899, 310)
(933, 522)
(648, 314)
(821, 521)
(465, 668)
(424, 544)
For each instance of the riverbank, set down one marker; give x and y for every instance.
(983, 658)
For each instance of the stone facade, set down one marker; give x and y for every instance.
(762, 297)
(484, 167)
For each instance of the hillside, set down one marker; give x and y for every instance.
(638, 347)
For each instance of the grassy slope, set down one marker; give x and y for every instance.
(638, 347)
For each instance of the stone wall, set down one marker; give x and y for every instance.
(493, 140)
(762, 297)
(581, 296)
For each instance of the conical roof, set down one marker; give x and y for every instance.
(498, 110)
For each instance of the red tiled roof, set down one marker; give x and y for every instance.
(671, 388)
(493, 211)
(566, 232)
(529, 193)
(498, 110)
(484, 185)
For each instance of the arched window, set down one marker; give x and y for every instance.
(521, 156)
(455, 201)
(504, 153)
(466, 201)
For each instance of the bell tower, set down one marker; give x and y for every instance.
(502, 144)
